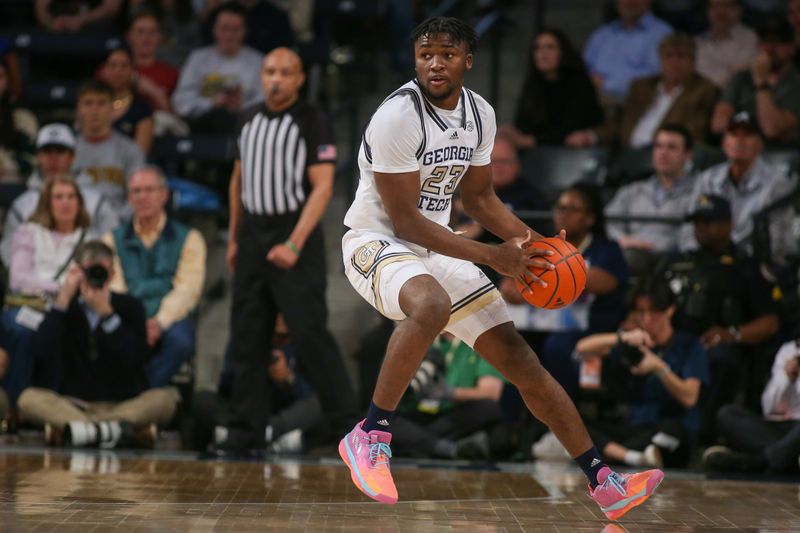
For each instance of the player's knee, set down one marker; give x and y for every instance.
(432, 310)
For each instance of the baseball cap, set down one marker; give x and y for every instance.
(775, 29)
(743, 121)
(710, 207)
(55, 135)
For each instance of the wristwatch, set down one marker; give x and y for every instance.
(735, 333)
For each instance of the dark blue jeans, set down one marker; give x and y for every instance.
(176, 346)
(17, 343)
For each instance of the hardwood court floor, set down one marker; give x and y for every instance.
(44, 490)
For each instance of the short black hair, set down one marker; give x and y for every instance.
(680, 129)
(460, 31)
(234, 8)
(92, 251)
(657, 290)
(96, 87)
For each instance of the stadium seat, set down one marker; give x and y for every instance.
(629, 165)
(198, 147)
(554, 168)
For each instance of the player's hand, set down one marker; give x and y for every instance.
(230, 255)
(282, 256)
(515, 257)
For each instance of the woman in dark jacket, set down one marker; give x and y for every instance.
(557, 96)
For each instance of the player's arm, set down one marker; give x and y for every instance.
(400, 195)
(482, 204)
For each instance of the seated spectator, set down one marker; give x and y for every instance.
(55, 152)
(625, 49)
(155, 80)
(750, 184)
(103, 157)
(668, 194)
(162, 263)
(557, 96)
(78, 15)
(268, 24)
(17, 132)
(514, 190)
(769, 91)
(294, 404)
(678, 95)
(41, 253)
(454, 394)
(90, 385)
(723, 298)
(768, 442)
(579, 211)
(133, 116)
(218, 81)
(727, 46)
(659, 371)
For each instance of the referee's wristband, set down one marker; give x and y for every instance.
(292, 246)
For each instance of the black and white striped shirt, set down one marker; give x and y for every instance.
(275, 150)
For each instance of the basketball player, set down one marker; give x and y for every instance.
(426, 139)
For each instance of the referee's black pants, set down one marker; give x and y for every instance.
(261, 290)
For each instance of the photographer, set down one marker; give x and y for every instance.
(89, 355)
(454, 394)
(661, 372)
(763, 443)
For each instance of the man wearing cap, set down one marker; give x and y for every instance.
(55, 153)
(750, 184)
(724, 299)
(769, 90)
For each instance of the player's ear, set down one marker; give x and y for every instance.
(469, 61)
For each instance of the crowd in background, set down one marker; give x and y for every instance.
(681, 350)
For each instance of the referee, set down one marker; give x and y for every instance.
(281, 184)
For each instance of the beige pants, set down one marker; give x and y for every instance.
(43, 406)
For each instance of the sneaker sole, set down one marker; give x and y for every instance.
(637, 501)
(344, 453)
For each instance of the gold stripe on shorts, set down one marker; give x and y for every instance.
(382, 263)
(473, 302)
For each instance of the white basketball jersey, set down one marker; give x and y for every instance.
(407, 133)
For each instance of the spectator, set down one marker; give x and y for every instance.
(78, 15)
(679, 95)
(511, 187)
(41, 253)
(218, 81)
(728, 46)
(178, 23)
(90, 351)
(55, 152)
(295, 408)
(17, 131)
(557, 96)
(768, 442)
(155, 80)
(268, 25)
(579, 211)
(625, 49)
(769, 91)
(668, 194)
(103, 157)
(276, 247)
(793, 14)
(749, 184)
(162, 263)
(457, 394)
(133, 116)
(725, 300)
(660, 371)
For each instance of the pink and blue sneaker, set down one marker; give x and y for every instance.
(367, 456)
(616, 494)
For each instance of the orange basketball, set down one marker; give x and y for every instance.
(564, 283)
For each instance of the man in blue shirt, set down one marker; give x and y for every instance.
(625, 49)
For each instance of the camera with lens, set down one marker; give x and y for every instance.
(630, 355)
(96, 276)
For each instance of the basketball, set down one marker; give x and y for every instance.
(564, 283)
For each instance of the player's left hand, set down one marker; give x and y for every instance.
(649, 363)
(515, 257)
(282, 256)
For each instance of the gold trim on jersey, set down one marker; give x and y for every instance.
(473, 302)
(382, 263)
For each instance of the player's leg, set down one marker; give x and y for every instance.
(504, 348)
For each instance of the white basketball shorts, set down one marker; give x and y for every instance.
(378, 266)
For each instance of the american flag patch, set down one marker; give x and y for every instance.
(326, 152)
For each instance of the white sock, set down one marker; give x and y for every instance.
(83, 433)
(634, 458)
(110, 432)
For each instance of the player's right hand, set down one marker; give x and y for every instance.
(515, 257)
